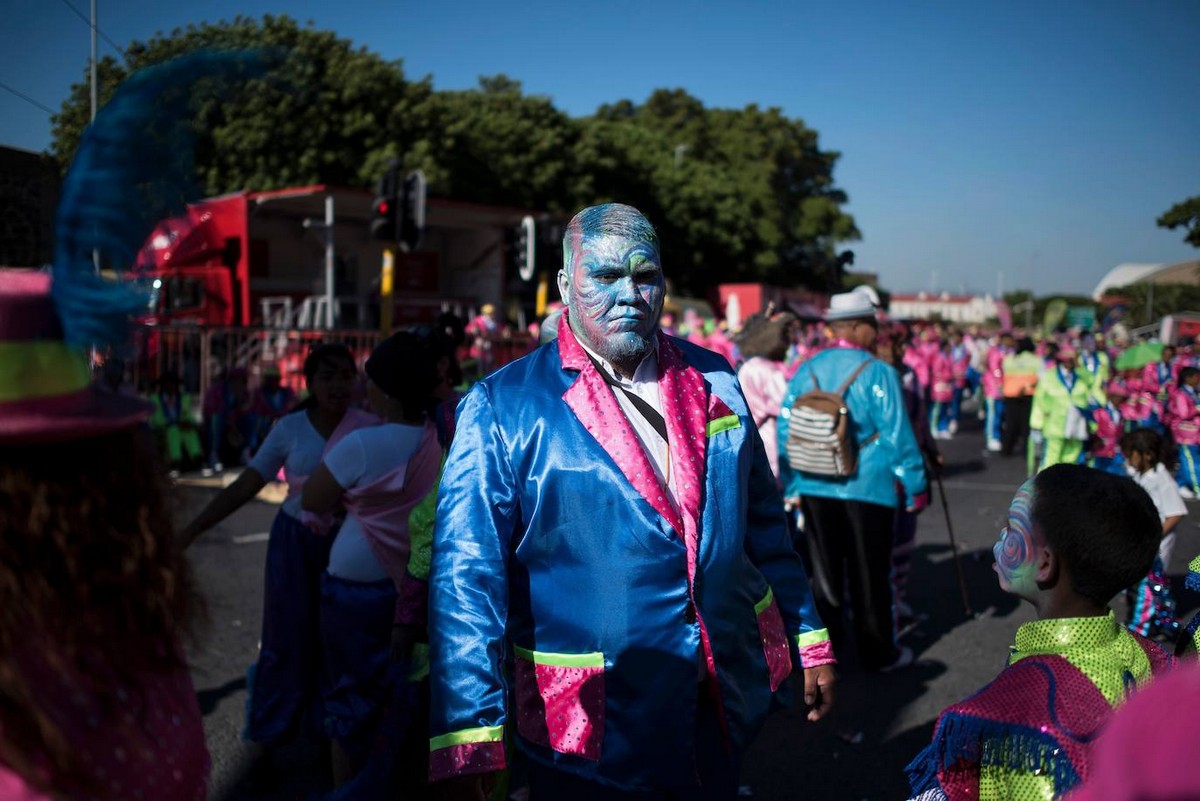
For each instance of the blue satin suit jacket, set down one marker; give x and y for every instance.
(574, 608)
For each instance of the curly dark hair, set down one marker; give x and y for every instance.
(90, 575)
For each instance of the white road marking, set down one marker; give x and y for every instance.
(247, 539)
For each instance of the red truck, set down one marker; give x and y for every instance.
(254, 265)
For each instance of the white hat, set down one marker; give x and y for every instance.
(859, 303)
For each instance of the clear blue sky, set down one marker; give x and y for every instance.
(1039, 140)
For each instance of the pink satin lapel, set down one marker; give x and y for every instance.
(685, 407)
(594, 404)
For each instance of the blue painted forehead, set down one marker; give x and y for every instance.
(608, 219)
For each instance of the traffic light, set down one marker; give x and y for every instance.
(384, 210)
(410, 220)
(525, 248)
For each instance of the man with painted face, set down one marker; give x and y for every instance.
(1075, 537)
(613, 586)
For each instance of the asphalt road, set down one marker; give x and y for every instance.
(880, 721)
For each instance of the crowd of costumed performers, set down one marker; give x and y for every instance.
(349, 619)
(594, 573)
(424, 576)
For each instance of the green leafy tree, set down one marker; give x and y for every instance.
(1184, 215)
(496, 145)
(324, 112)
(737, 194)
(1148, 303)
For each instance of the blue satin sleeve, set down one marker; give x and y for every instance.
(770, 548)
(477, 513)
(895, 429)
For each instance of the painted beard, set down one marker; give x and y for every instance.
(626, 348)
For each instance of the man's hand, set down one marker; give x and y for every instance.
(918, 503)
(475, 787)
(818, 690)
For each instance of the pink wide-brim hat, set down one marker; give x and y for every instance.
(46, 393)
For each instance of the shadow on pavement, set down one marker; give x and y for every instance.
(296, 771)
(209, 698)
(882, 720)
(977, 465)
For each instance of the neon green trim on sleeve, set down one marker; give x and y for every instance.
(762, 605)
(723, 424)
(419, 668)
(593, 660)
(812, 637)
(483, 734)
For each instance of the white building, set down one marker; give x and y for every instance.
(949, 308)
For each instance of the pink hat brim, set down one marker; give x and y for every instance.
(86, 413)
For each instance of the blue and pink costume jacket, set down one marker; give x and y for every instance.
(1157, 377)
(1138, 406)
(993, 379)
(567, 590)
(942, 377)
(1183, 415)
(1105, 450)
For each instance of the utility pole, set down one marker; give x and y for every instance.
(327, 226)
(387, 303)
(329, 295)
(94, 95)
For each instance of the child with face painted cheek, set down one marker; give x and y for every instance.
(1074, 538)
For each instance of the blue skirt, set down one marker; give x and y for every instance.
(284, 684)
(359, 675)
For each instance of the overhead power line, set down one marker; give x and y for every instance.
(86, 21)
(26, 98)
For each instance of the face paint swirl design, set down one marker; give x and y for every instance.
(1016, 550)
(613, 284)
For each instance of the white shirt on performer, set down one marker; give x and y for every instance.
(294, 445)
(1160, 485)
(362, 457)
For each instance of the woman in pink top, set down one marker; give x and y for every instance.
(941, 390)
(1183, 415)
(284, 682)
(1138, 405)
(763, 342)
(379, 475)
(1157, 377)
(993, 388)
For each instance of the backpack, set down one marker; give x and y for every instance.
(820, 441)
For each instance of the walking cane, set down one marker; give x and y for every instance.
(962, 581)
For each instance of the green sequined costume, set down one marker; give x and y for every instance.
(1027, 735)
